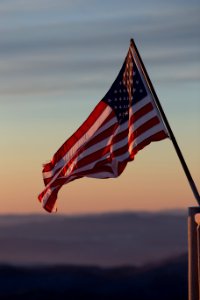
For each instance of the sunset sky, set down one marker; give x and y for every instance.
(58, 59)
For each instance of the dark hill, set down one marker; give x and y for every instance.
(159, 282)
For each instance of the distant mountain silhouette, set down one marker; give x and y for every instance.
(111, 239)
(158, 282)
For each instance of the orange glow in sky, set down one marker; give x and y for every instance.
(56, 65)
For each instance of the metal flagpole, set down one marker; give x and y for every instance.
(193, 230)
(178, 151)
(193, 254)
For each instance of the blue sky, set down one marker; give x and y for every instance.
(59, 58)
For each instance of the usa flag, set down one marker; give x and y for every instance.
(123, 122)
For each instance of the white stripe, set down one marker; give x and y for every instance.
(138, 140)
(145, 135)
(84, 168)
(47, 195)
(79, 143)
(101, 175)
(123, 157)
(106, 142)
(133, 110)
(87, 152)
(93, 149)
(148, 89)
(143, 120)
(121, 144)
(100, 145)
(106, 126)
(132, 128)
(94, 175)
(138, 105)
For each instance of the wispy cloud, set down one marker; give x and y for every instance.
(46, 45)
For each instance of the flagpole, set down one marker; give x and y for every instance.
(193, 254)
(176, 146)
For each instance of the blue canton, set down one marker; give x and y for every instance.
(117, 97)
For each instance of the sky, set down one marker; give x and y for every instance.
(58, 59)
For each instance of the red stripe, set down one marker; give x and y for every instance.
(41, 195)
(103, 168)
(98, 167)
(155, 137)
(97, 154)
(49, 205)
(76, 136)
(92, 157)
(141, 112)
(121, 150)
(158, 136)
(105, 134)
(144, 110)
(135, 117)
(83, 162)
(98, 138)
(47, 180)
(111, 115)
(120, 136)
(84, 128)
(144, 127)
(140, 130)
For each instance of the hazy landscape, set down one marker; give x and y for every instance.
(106, 256)
(103, 239)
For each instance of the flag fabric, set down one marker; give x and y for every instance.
(123, 122)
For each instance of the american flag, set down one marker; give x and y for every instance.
(123, 122)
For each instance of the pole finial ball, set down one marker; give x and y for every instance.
(197, 218)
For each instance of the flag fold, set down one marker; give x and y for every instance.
(123, 122)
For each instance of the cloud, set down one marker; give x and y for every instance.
(65, 48)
